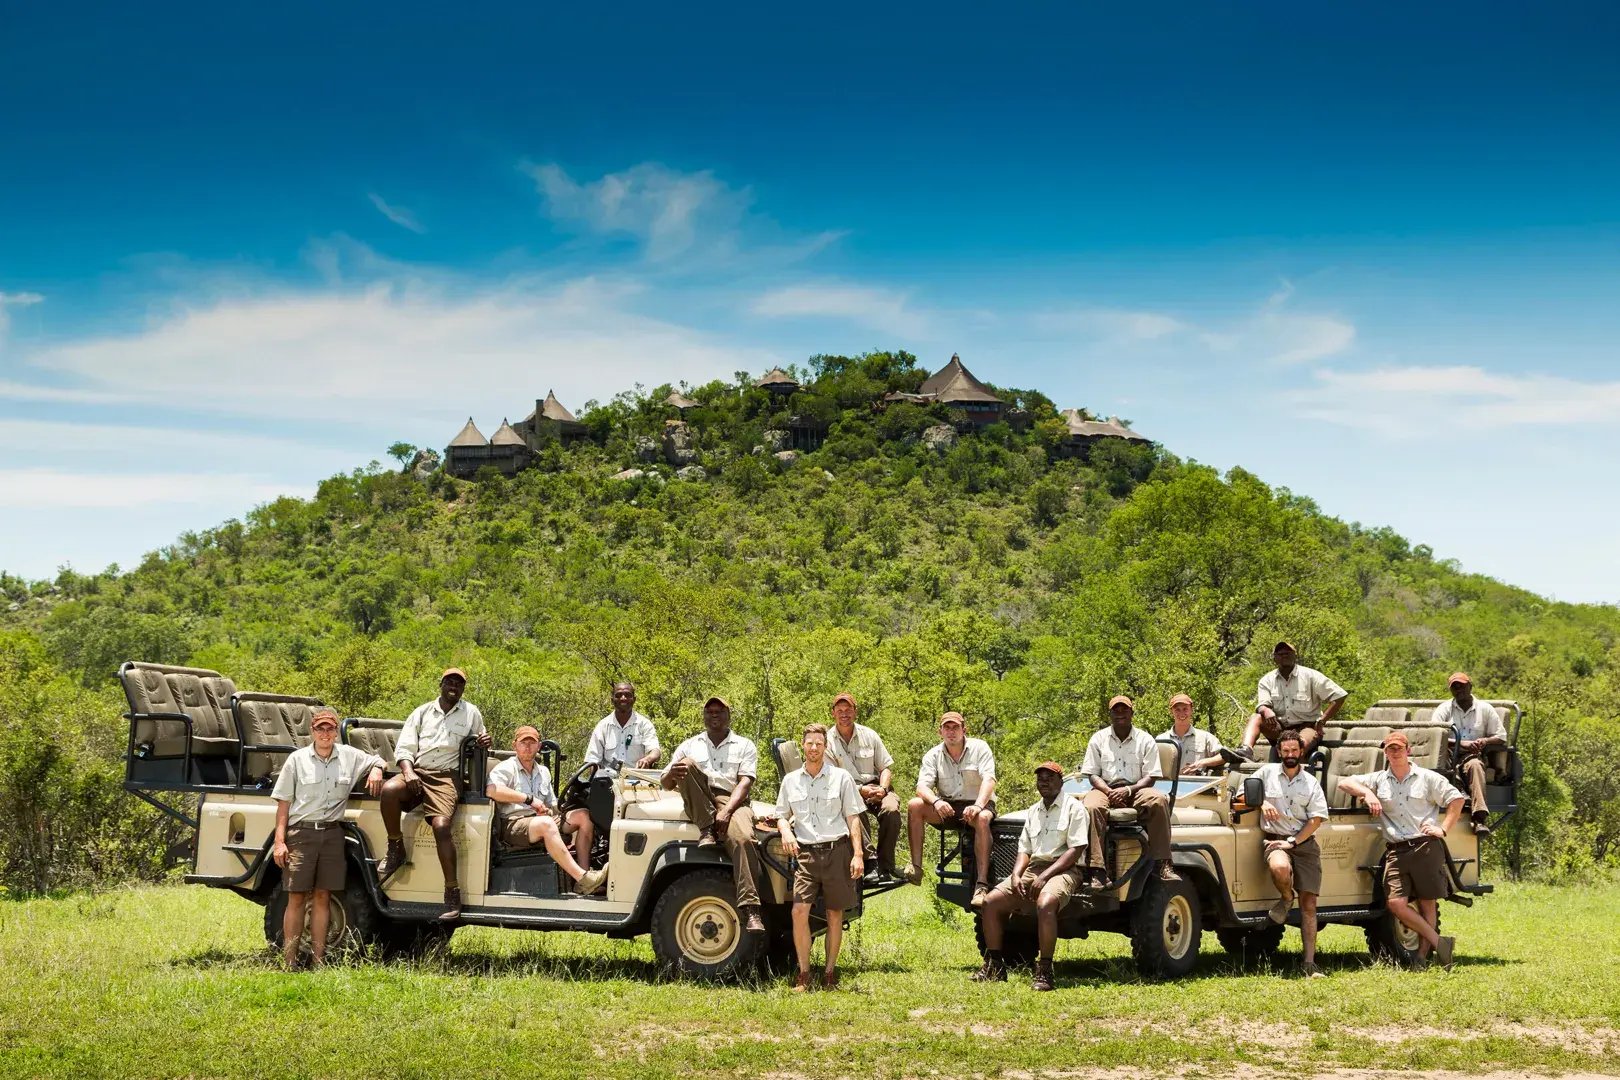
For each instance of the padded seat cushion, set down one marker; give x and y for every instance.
(272, 720)
(1350, 759)
(1122, 816)
(200, 694)
(375, 737)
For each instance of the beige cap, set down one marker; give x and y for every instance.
(1180, 699)
(1121, 699)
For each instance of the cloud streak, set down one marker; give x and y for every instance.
(39, 489)
(1420, 402)
(885, 310)
(397, 214)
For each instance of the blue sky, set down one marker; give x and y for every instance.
(1369, 254)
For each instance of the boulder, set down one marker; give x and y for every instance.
(691, 472)
(939, 438)
(424, 463)
(646, 450)
(680, 445)
(776, 440)
(630, 474)
(786, 458)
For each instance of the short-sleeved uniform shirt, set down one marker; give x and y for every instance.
(724, 764)
(864, 757)
(957, 779)
(1409, 804)
(1049, 831)
(431, 738)
(819, 805)
(1122, 761)
(1480, 721)
(1196, 745)
(1297, 799)
(534, 784)
(614, 745)
(317, 788)
(1299, 699)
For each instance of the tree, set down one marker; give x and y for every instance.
(404, 453)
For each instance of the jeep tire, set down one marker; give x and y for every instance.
(1166, 925)
(1389, 939)
(1019, 946)
(697, 931)
(353, 921)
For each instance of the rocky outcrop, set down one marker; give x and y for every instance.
(680, 445)
(776, 440)
(646, 450)
(630, 474)
(692, 472)
(786, 459)
(424, 463)
(939, 438)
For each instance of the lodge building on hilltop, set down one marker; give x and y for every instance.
(513, 446)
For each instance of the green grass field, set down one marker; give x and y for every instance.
(178, 981)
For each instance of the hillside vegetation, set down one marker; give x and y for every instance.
(995, 577)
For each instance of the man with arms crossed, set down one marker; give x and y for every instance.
(429, 757)
(311, 793)
(956, 788)
(714, 772)
(1407, 799)
(1200, 749)
(1122, 761)
(818, 810)
(1051, 851)
(623, 739)
(525, 809)
(859, 751)
(1476, 729)
(1291, 698)
(1294, 809)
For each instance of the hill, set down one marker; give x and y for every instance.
(990, 573)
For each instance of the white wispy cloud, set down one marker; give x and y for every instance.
(37, 489)
(399, 215)
(11, 300)
(1419, 402)
(886, 310)
(1113, 324)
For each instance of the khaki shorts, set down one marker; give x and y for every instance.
(824, 869)
(440, 793)
(314, 859)
(1306, 860)
(515, 832)
(1063, 886)
(1417, 870)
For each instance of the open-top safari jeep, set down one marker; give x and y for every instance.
(193, 735)
(1217, 848)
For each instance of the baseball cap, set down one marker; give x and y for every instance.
(1181, 699)
(1049, 766)
(720, 699)
(525, 732)
(457, 672)
(1121, 699)
(1396, 737)
(1281, 645)
(952, 718)
(323, 716)
(845, 695)
(1459, 677)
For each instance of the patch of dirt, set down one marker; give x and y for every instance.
(1595, 1041)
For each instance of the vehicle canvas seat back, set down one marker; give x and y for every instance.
(1428, 742)
(203, 696)
(374, 737)
(1167, 760)
(1350, 759)
(788, 754)
(273, 726)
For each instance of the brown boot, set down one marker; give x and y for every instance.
(753, 922)
(829, 979)
(393, 859)
(992, 971)
(1167, 872)
(1043, 976)
(452, 905)
(708, 838)
(801, 983)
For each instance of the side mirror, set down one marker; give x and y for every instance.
(1254, 792)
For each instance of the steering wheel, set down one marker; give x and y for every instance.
(579, 786)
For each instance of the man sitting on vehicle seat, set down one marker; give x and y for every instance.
(859, 751)
(714, 771)
(622, 739)
(1122, 761)
(1291, 698)
(956, 788)
(429, 755)
(1476, 729)
(1051, 852)
(1200, 749)
(526, 808)
(1295, 808)
(1407, 799)
(311, 794)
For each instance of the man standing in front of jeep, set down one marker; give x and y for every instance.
(1476, 730)
(429, 757)
(1291, 698)
(1407, 800)
(859, 751)
(1122, 761)
(714, 771)
(1294, 809)
(623, 739)
(1200, 749)
(311, 794)
(818, 814)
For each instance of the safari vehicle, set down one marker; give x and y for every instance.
(1217, 849)
(193, 735)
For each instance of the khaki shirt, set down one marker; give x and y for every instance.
(319, 789)
(431, 737)
(1299, 699)
(1482, 721)
(1050, 831)
(723, 765)
(614, 745)
(534, 784)
(864, 757)
(957, 779)
(1196, 745)
(1297, 800)
(1122, 761)
(819, 805)
(1409, 804)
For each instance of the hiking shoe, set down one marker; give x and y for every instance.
(707, 838)
(1310, 971)
(992, 971)
(1244, 752)
(753, 923)
(592, 882)
(1444, 951)
(829, 979)
(1043, 976)
(1167, 871)
(393, 859)
(1482, 827)
(980, 892)
(912, 875)
(452, 905)
(1278, 912)
(801, 983)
